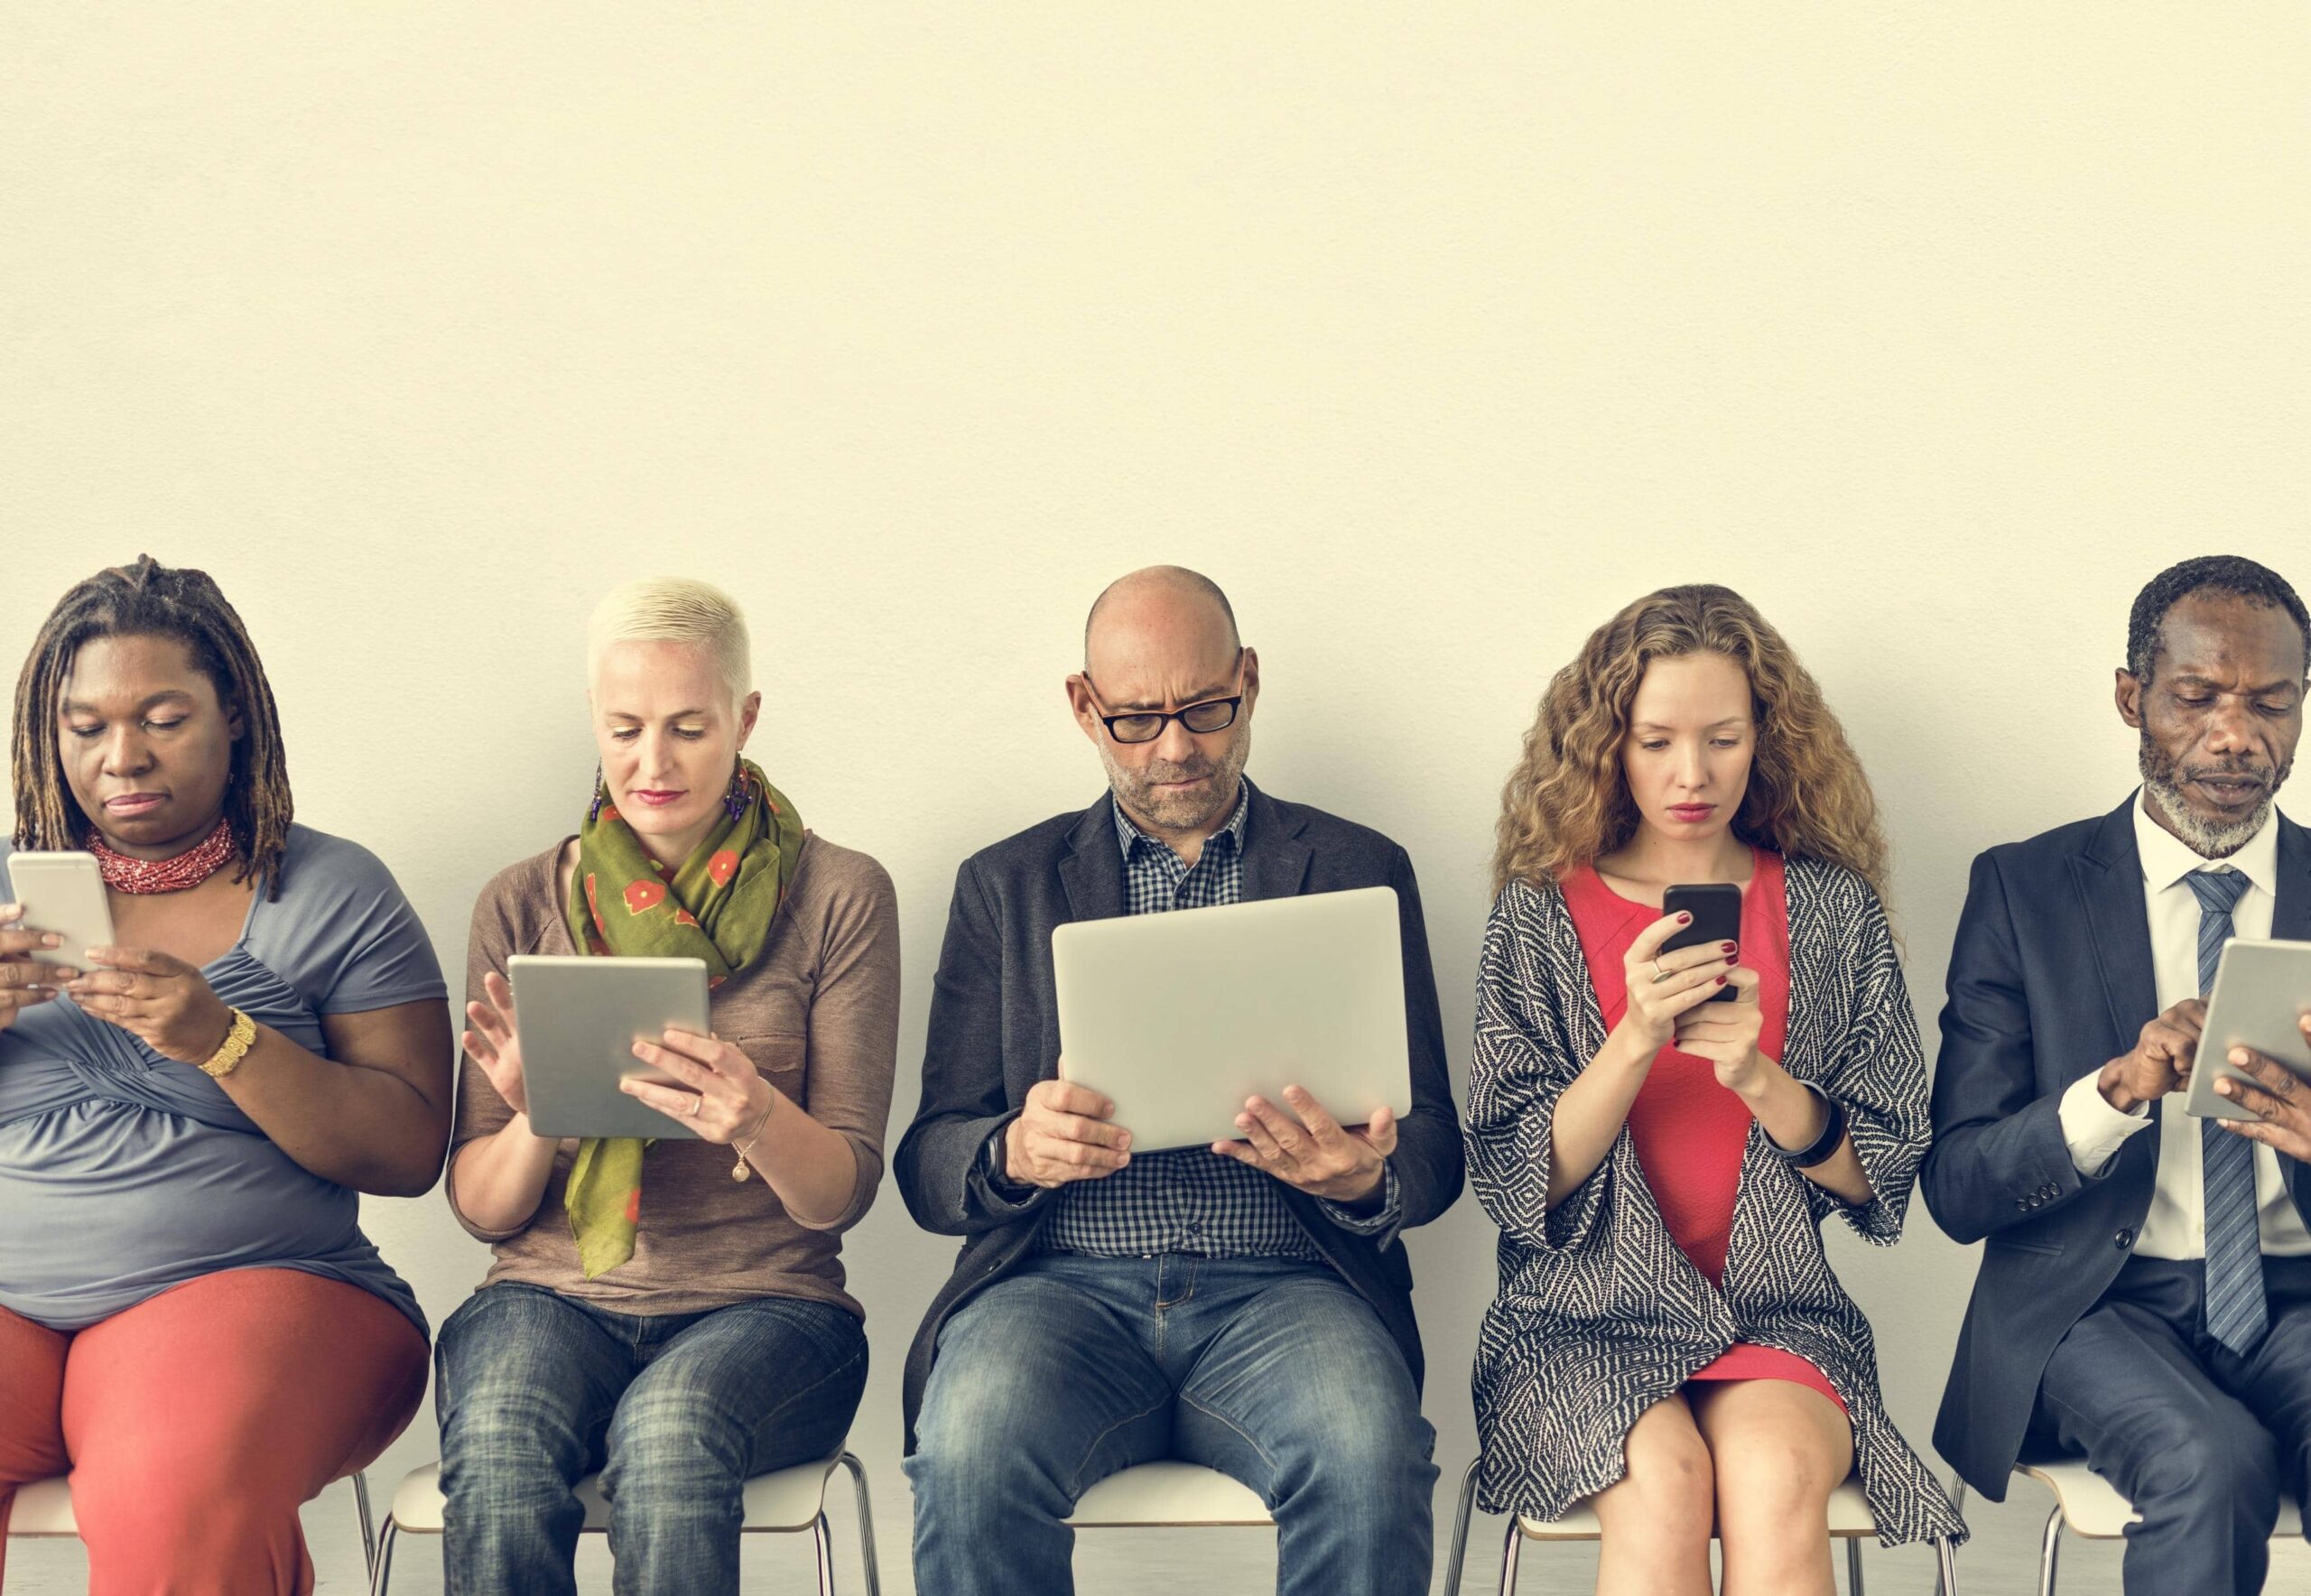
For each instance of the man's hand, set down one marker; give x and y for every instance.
(1313, 1152)
(2160, 1062)
(1063, 1135)
(2281, 1103)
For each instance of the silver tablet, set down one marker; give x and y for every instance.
(578, 1019)
(1178, 1018)
(2262, 990)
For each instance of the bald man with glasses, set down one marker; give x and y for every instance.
(1246, 1305)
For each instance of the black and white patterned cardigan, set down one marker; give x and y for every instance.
(1599, 1314)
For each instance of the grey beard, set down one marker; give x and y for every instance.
(2206, 838)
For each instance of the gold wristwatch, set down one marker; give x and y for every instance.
(234, 1048)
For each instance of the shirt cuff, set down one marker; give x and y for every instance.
(1383, 1221)
(2092, 1129)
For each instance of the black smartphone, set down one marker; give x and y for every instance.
(1716, 909)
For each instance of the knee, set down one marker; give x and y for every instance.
(1668, 1494)
(1368, 1451)
(975, 1439)
(1774, 1492)
(675, 1443)
(2222, 1472)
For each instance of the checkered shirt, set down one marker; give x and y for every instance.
(1189, 1199)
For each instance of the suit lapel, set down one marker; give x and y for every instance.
(1275, 861)
(1091, 872)
(2291, 917)
(2108, 874)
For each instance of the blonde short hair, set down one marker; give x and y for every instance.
(675, 609)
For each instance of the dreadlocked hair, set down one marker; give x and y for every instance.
(149, 599)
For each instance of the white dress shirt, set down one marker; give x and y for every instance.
(2176, 1225)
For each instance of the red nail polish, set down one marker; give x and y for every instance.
(1720, 980)
(1684, 919)
(1729, 947)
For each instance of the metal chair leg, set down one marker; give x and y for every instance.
(369, 1531)
(1946, 1566)
(2050, 1548)
(825, 1543)
(382, 1571)
(1510, 1549)
(1460, 1547)
(1853, 1565)
(868, 1574)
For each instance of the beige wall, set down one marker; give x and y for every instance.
(1934, 327)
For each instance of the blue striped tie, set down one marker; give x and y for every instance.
(2235, 1313)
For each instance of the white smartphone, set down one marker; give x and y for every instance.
(63, 893)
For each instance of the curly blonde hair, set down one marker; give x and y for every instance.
(1568, 803)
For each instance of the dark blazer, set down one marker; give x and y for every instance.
(2051, 978)
(995, 1033)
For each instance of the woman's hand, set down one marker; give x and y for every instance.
(1662, 986)
(1726, 1034)
(495, 1045)
(727, 1097)
(22, 982)
(161, 1001)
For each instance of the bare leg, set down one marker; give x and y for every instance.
(1779, 1450)
(1657, 1518)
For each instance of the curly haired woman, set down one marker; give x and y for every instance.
(191, 1319)
(1668, 1340)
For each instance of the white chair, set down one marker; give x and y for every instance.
(2089, 1506)
(43, 1511)
(1170, 1494)
(1850, 1521)
(786, 1502)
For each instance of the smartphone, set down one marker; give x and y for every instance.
(63, 893)
(1716, 909)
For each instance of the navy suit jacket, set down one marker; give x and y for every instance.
(995, 1033)
(2051, 978)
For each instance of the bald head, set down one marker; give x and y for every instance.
(1162, 600)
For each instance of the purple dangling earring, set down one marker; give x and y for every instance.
(736, 801)
(594, 813)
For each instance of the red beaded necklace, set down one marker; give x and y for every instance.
(187, 870)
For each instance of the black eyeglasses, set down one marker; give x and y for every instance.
(1144, 725)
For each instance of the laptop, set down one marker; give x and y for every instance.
(1178, 1018)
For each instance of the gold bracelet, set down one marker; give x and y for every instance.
(741, 1171)
(238, 1040)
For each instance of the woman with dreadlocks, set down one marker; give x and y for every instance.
(190, 1320)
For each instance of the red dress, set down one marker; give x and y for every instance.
(1688, 1129)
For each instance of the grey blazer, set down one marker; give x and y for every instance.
(995, 1033)
(1599, 1314)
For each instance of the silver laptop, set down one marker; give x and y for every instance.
(1178, 1018)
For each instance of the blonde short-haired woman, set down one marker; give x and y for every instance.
(669, 1312)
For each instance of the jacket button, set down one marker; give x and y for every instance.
(2124, 1239)
(2023, 1203)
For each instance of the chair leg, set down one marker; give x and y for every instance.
(369, 1531)
(1945, 1573)
(1946, 1566)
(825, 1543)
(1460, 1547)
(1853, 1565)
(2049, 1549)
(1510, 1549)
(869, 1575)
(382, 1571)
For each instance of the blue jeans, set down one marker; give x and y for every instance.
(1274, 1372)
(537, 1389)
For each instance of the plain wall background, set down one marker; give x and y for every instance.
(1433, 335)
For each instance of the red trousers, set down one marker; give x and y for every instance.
(195, 1423)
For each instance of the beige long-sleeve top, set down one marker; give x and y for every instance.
(817, 1012)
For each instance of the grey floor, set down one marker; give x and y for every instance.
(2002, 1557)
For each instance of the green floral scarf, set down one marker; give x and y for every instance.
(719, 906)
